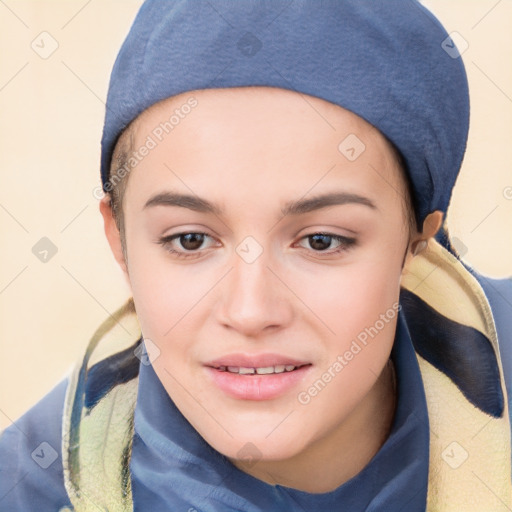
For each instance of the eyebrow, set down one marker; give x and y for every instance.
(325, 200)
(298, 207)
(183, 200)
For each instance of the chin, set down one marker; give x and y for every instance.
(261, 441)
(256, 450)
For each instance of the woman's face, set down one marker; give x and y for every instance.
(265, 236)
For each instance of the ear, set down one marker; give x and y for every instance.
(431, 226)
(112, 232)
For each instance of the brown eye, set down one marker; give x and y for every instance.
(187, 245)
(320, 242)
(191, 241)
(327, 243)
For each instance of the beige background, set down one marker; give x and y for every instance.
(50, 127)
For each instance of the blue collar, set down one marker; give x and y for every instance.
(173, 468)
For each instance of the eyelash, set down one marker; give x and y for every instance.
(345, 244)
(166, 240)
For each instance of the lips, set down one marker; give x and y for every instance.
(255, 361)
(259, 377)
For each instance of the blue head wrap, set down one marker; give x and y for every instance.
(389, 61)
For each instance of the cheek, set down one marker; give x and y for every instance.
(350, 298)
(360, 305)
(164, 294)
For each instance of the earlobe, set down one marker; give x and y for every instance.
(112, 232)
(421, 245)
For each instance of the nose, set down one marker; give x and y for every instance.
(254, 301)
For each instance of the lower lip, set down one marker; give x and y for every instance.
(257, 387)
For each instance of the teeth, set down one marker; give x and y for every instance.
(267, 370)
(246, 371)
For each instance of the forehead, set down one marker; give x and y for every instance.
(253, 137)
(259, 107)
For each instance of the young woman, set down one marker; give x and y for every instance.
(304, 336)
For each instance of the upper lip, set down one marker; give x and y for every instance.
(254, 361)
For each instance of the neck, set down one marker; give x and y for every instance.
(336, 458)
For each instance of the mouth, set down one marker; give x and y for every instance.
(262, 377)
(262, 370)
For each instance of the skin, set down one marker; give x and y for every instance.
(250, 151)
